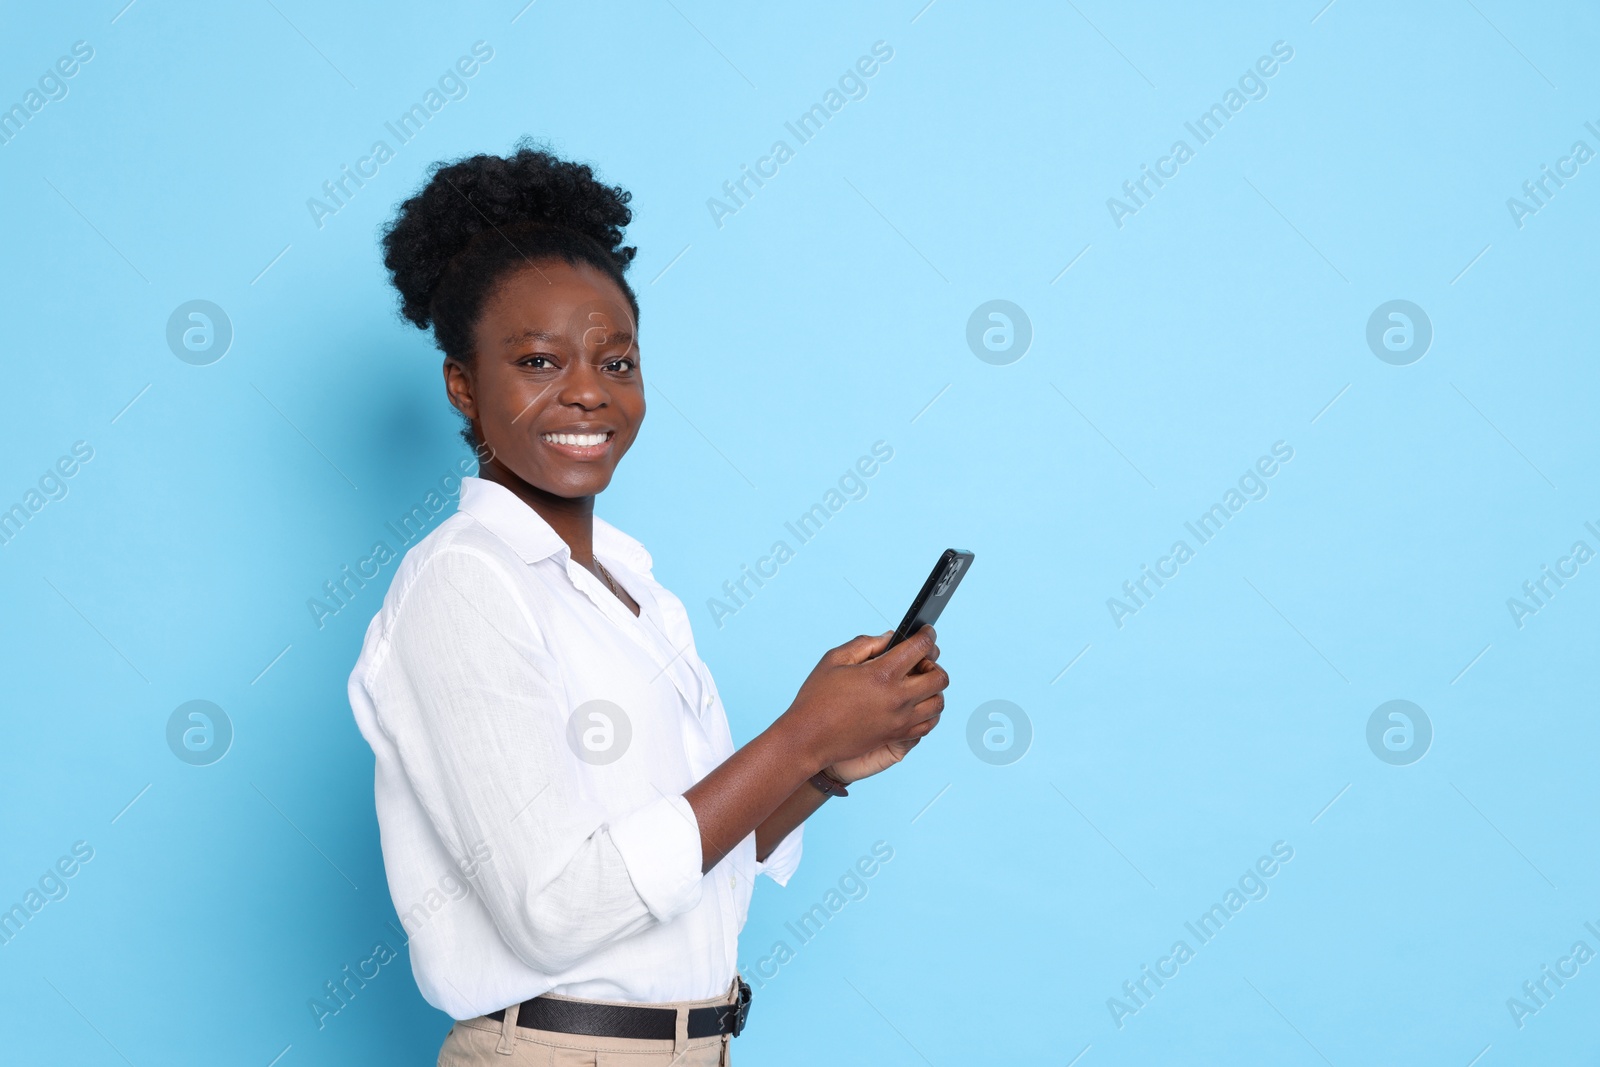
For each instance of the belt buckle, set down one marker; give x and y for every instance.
(741, 1010)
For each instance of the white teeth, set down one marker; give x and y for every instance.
(576, 438)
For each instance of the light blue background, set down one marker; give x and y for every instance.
(826, 315)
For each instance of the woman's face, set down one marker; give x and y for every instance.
(554, 390)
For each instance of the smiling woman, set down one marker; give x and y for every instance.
(529, 688)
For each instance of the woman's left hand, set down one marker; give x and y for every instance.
(881, 759)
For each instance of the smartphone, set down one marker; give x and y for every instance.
(936, 593)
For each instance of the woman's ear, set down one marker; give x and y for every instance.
(458, 387)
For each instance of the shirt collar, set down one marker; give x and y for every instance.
(505, 515)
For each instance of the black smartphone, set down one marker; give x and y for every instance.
(936, 593)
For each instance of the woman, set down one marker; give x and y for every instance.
(542, 724)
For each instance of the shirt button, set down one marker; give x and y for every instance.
(731, 881)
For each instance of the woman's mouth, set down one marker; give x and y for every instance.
(580, 445)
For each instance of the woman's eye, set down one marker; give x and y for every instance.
(536, 361)
(621, 365)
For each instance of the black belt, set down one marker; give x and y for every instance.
(629, 1020)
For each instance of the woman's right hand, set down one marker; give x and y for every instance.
(853, 703)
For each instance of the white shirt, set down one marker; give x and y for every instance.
(582, 876)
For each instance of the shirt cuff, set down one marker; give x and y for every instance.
(660, 844)
(781, 863)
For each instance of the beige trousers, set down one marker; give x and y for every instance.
(482, 1042)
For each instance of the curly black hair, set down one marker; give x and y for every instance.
(480, 217)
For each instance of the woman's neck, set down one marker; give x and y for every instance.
(572, 518)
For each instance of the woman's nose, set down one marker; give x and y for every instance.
(584, 386)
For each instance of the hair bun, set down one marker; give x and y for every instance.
(477, 195)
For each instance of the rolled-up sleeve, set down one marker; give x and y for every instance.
(782, 862)
(467, 692)
(660, 843)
